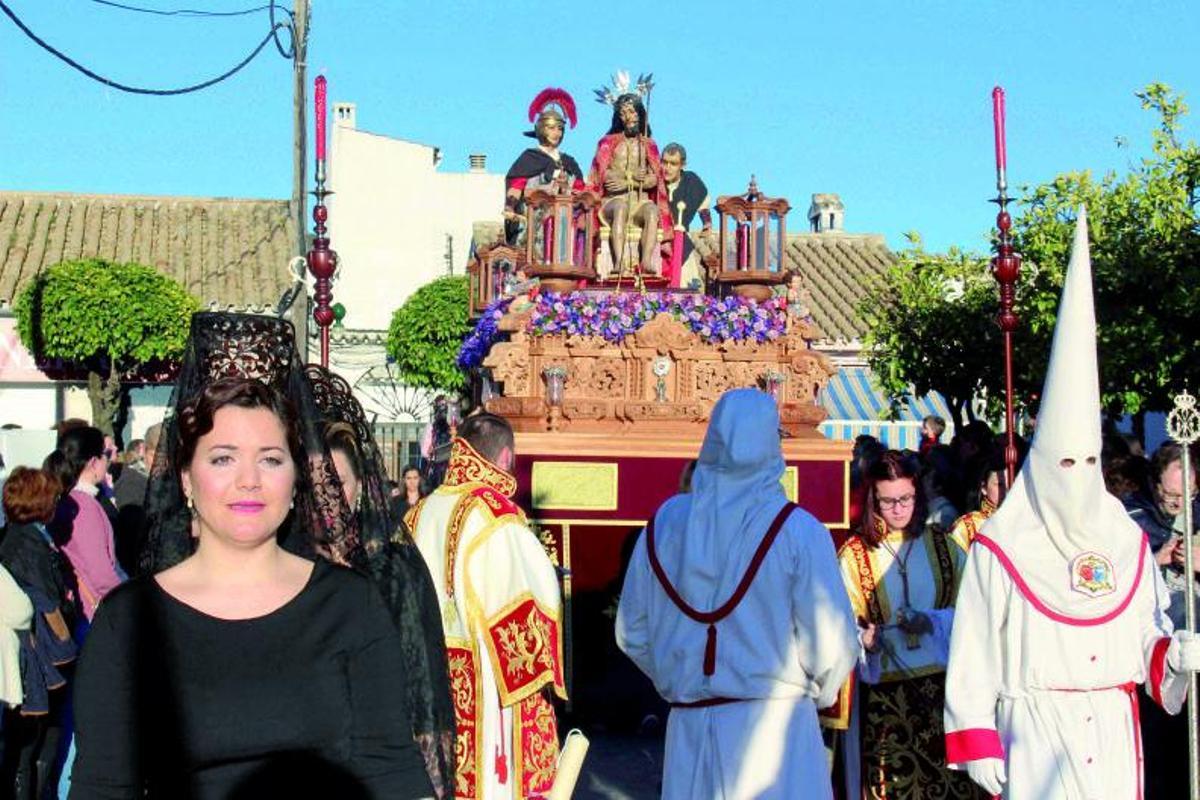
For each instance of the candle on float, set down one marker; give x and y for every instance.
(998, 121)
(319, 100)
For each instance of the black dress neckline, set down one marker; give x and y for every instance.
(274, 613)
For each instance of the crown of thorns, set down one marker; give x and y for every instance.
(621, 86)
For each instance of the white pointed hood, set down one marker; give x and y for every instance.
(1058, 525)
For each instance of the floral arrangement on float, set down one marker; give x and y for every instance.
(613, 316)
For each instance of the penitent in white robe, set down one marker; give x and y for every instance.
(1054, 695)
(785, 651)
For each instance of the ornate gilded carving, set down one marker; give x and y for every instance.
(549, 544)
(665, 334)
(610, 386)
(586, 409)
(596, 377)
(509, 362)
(654, 410)
(809, 415)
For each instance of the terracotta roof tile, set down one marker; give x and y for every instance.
(229, 253)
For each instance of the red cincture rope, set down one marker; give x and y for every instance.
(711, 618)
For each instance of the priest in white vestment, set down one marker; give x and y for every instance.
(1061, 611)
(768, 637)
(502, 616)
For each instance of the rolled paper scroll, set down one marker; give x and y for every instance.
(570, 762)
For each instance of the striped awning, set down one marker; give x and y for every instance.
(856, 406)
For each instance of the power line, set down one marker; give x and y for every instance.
(183, 12)
(135, 89)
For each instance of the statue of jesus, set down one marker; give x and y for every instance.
(627, 173)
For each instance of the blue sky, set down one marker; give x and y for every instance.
(886, 103)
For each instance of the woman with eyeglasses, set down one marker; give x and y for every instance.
(902, 578)
(81, 526)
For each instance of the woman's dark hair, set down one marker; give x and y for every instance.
(867, 450)
(196, 418)
(893, 465)
(78, 446)
(30, 495)
(992, 462)
(941, 475)
(422, 489)
(340, 437)
(636, 101)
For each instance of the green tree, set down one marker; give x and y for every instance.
(107, 318)
(1145, 248)
(426, 332)
(931, 317)
(931, 327)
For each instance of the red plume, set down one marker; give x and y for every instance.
(556, 96)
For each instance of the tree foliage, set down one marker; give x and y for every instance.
(931, 318)
(426, 332)
(108, 318)
(926, 319)
(1145, 248)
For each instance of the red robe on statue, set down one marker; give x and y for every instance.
(658, 195)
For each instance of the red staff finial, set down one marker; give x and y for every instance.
(322, 261)
(1006, 268)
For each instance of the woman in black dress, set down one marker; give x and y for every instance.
(387, 553)
(244, 668)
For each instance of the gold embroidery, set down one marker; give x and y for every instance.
(525, 644)
(467, 466)
(454, 532)
(903, 755)
(546, 665)
(535, 746)
(465, 690)
(548, 544)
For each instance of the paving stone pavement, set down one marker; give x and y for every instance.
(621, 767)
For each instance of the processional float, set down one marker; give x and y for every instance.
(609, 378)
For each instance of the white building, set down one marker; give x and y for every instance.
(397, 221)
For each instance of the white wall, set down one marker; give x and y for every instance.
(147, 405)
(389, 217)
(26, 447)
(28, 406)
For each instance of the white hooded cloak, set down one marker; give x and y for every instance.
(1061, 611)
(782, 653)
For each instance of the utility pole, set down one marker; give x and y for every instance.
(300, 19)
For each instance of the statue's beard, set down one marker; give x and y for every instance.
(631, 129)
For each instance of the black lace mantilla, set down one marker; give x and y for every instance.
(244, 346)
(388, 555)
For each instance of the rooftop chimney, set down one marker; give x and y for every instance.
(344, 114)
(826, 213)
(478, 162)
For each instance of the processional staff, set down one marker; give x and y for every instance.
(1006, 267)
(322, 261)
(1183, 425)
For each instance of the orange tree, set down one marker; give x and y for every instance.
(106, 318)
